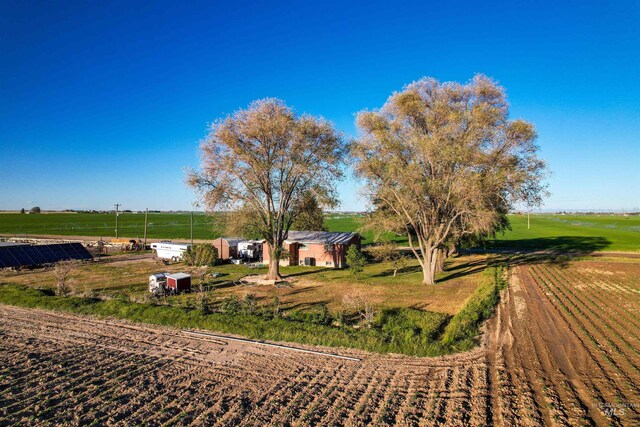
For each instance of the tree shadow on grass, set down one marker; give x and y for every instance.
(306, 305)
(302, 273)
(556, 250)
(560, 245)
(405, 270)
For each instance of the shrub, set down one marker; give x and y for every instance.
(388, 251)
(202, 254)
(62, 271)
(249, 304)
(355, 260)
(231, 305)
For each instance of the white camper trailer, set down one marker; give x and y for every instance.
(168, 250)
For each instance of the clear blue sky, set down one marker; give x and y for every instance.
(105, 101)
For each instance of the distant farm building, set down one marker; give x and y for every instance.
(321, 248)
(17, 255)
(227, 247)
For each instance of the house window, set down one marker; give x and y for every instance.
(328, 263)
(329, 248)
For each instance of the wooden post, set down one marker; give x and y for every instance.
(528, 222)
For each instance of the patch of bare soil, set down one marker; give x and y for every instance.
(562, 349)
(67, 369)
(562, 352)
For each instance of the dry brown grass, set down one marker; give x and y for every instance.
(310, 287)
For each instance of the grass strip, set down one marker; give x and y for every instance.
(403, 331)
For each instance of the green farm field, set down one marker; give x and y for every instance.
(565, 233)
(160, 225)
(572, 233)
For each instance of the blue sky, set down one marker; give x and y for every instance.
(105, 102)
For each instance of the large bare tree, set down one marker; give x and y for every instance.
(264, 160)
(443, 160)
(246, 222)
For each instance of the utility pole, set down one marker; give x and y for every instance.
(146, 214)
(117, 205)
(191, 228)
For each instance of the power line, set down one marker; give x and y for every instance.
(117, 205)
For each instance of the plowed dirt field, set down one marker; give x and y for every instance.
(561, 350)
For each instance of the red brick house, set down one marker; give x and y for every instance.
(321, 248)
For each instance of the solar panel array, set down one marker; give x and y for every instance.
(25, 256)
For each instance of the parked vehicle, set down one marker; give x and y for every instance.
(168, 250)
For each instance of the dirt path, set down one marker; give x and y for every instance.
(544, 360)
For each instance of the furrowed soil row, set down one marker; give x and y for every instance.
(578, 404)
(587, 308)
(350, 395)
(623, 364)
(603, 393)
(414, 407)
(615, 319)
(480, 395)
(619, 308)
(562, 345)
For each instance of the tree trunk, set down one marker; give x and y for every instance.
(429, 267)
(453, 250)
(440, 257)
(274, 269)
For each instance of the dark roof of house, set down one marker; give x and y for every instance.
(233, 241)
(324, 237)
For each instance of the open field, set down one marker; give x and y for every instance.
(159, 226)
(562, 350)
(562, 233)
(316, 306)
(572, 233)
(70, 370)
